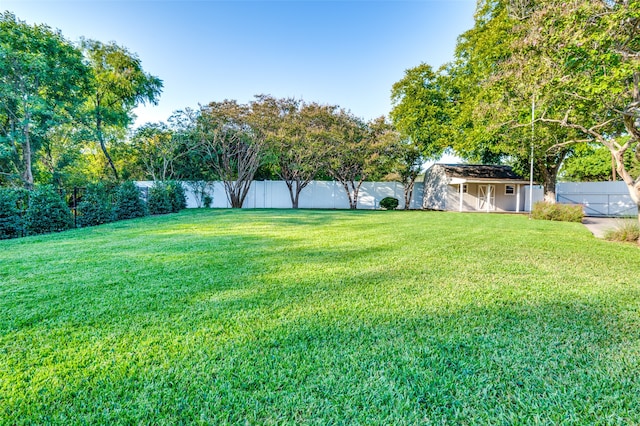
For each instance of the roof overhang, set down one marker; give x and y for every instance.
(458, 181)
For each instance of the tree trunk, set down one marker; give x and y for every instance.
(294, 194)
(244, 190)
(549, 179)
(103, 147)
(634, 192)
(236, 192)
(353, 194)
(632, 185)
(408, 193)
(27, 175)
(638, 206)
(234, 196)
(549, 191)
(353, 197)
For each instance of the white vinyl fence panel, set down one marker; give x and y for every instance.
(609, 199)
(598, 198)
(316, 195)
(537, 195)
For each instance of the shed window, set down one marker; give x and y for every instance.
(509, 189)
(465, 188)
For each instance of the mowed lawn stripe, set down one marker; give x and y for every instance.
(320, 317)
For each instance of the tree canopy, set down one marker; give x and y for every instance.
(119, 84)
(43, 80)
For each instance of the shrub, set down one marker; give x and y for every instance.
(47, 212)
(12, 207)
(160, 198)
(200, 191)
(207, 200)
(177, 196)
(96, 207)
(626, 231)
(559, 212)
(129, 203)
(389, 203)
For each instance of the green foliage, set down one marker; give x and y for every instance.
(12, 206)
(160, 199)
(389, 203)
(626, 231)
(47, 212)
(43, 80)
(297, 134)
(96, 207)
(207, 200)
(176, 195)
(588, 165)
(594, 164)
(120, 84)
(234, 145)
(558, 212)
(129, 202)
(405, 318)
(359, 151)
(421, 111)
(166, 197)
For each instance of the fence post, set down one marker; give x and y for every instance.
(75, 206)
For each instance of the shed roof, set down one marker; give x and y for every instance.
(480, 171)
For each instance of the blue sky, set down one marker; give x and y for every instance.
(346, 53)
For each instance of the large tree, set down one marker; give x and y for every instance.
(119, 85)
(407, 161)
(358, 151)
(600, 42)
(421, 114)
(42, 82)
(490, 101)
(297, 134)
(234, 145)
(421, 110)
(581, 62)
(162, 148)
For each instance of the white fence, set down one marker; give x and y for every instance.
(598, 198)
(316, 195)
(529, 197)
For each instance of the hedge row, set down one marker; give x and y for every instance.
(558, 212)
(43, 210)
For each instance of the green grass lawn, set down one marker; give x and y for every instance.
(320, 317)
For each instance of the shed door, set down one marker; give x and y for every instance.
(486, 197)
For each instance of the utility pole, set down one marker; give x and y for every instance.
(533, 115)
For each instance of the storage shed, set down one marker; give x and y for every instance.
(473, 187)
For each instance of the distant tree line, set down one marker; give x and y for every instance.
(64, 107)
(269, 138)
(66, 111)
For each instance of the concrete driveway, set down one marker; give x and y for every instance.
(599, 225)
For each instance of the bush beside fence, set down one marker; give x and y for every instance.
(47, 209)
(558, 212)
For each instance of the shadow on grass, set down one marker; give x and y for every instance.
(241, 322)
(493, 364)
